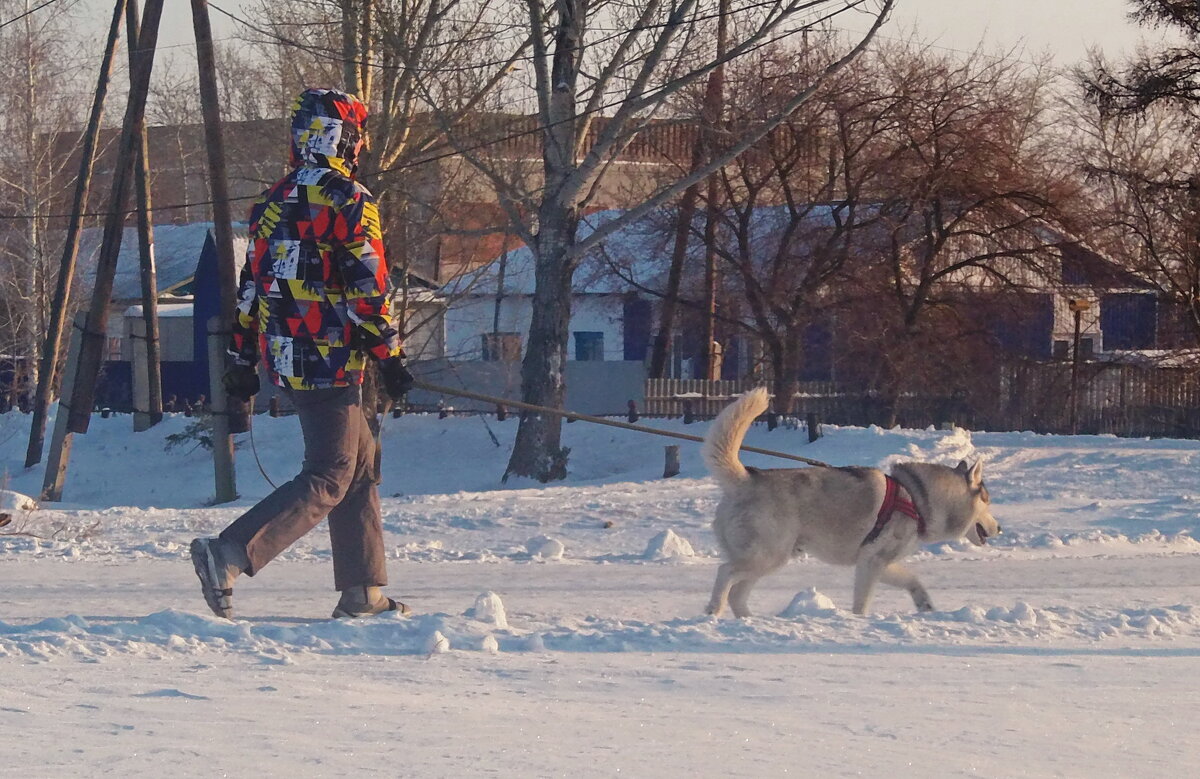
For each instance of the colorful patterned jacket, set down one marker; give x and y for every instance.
(312, 298)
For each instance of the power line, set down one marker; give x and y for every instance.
(16, 19)
(617, 32)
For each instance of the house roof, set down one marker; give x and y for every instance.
(636, 255)
(176, 251)
(1084, 266)
(514, 271)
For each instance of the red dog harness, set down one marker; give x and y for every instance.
(893, 502)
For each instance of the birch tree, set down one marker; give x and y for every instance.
(39, 99)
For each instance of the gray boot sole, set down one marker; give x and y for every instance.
(219, 599)
(341, 612)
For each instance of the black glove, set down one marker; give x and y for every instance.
(241, 382)
(397, 381)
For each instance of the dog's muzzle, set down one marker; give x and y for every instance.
(982, 535)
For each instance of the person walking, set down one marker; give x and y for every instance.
(312, 306)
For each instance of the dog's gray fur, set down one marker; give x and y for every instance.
(767, 516)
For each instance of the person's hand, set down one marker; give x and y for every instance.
(241, 382)
(397, 381)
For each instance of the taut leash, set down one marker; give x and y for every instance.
(462, 393)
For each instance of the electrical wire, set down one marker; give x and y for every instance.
(336, 55)
(30, 12)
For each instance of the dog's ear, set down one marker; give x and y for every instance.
(963, 467)
(975, 475)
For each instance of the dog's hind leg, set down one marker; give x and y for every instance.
(739, 593)
(721, 587)
(899, 576)
(732, 587)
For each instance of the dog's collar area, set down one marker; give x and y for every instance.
(894, 502)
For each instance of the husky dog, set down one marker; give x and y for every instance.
(843, 516)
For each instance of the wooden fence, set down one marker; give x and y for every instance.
(1126, 400)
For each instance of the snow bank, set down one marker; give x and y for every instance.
(824, 628)
(15, 501)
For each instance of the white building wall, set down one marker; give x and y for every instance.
(467, 319)
(1089, 321)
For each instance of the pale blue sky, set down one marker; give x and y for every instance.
(1065, 28)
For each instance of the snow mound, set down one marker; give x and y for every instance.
(809, 603)
(437, 643)
(489, 608)
(668, 545)
(15, 501)
(545, 548)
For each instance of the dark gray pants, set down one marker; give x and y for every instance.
(338, 480)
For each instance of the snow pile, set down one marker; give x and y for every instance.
(545, 548)
(809, 603)
(437, 644)
(15, 501)
(668, 545)
(489, 608)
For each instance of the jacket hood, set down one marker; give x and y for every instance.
(327, 130)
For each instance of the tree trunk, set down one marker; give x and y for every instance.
(537, 453)
(785, 364)
(350, 43)
(661, 348)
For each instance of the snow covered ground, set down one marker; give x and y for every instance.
(1068, 647)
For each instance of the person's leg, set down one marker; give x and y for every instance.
(329, 422)
(356, 533)
(355, 524)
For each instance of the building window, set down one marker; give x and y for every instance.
(589, 346)
(501, 347)
(638, 321)
(1087, 349)
(114, 349)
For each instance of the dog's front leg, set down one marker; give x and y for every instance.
(899, 576)
(866, 573)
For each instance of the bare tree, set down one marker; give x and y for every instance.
(599, 73)
(968, 202)
(1144, 192)
(1139, 123)
(1153, 76)
(38, 100)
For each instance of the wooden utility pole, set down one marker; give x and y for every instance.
(66, 274)
(351, 31)
(234, 416)
(701, 149)
(714, 99)
(366, 51)
(148, 345)
(1077, 306)
(60, 442)
(91, 353)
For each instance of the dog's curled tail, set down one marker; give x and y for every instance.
(720, 450)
